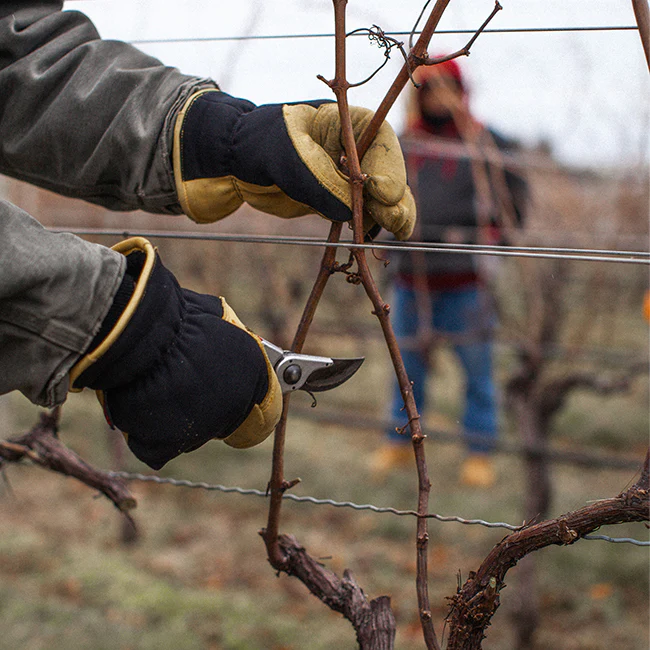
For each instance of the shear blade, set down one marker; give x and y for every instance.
(332, 376)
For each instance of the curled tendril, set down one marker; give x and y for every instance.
(314, 403)
(384, 260)
(376, 35)
(353, 278)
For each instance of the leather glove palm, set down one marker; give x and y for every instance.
(283, 159)
(183, 371)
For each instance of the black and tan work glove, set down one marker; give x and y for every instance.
(174, 368)
(283, 159)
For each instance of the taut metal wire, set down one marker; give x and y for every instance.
(276, 37)
(583, 254)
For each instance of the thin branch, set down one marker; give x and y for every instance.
(417, 56)
(554, 393)
(354, 153)
(417, 22)
(277, 484)
(464, 51)
(381, 310)
(373, 621)
(642, 14)
(42, 447)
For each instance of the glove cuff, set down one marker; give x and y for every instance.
(203, 155)
(125, 247)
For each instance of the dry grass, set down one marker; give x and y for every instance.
(198, 576)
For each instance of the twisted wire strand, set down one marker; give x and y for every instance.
(129, 476)
(617, 540)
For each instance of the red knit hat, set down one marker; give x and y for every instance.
(447, 68)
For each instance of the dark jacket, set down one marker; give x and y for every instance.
(440, 174)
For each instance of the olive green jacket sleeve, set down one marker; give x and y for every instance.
(55, 290)
(86, 118)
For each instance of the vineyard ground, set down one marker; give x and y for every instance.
(198, 577)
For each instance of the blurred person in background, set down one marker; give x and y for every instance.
(440, 295)
(102, 121)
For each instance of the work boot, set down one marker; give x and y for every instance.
(389, 457)
(478, 470)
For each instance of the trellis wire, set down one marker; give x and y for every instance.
(545, 252)
(131, 476)
(588, 255)
(503, 30)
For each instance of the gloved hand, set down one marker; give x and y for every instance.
(283, 159)
(174, 368)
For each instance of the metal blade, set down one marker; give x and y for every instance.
(332, 376)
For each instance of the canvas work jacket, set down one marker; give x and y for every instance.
(89, 119)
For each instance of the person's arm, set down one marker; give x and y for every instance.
(102, 121)
(86, 117)
(173, 368)
(55, 290)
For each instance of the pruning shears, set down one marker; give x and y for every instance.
(309, 373)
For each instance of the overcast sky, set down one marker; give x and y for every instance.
(586, 92)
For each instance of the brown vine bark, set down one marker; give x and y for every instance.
(42, 447)
(642, 15)
(477, 600)
(373, 620)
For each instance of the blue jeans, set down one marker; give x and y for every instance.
(464, 315)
